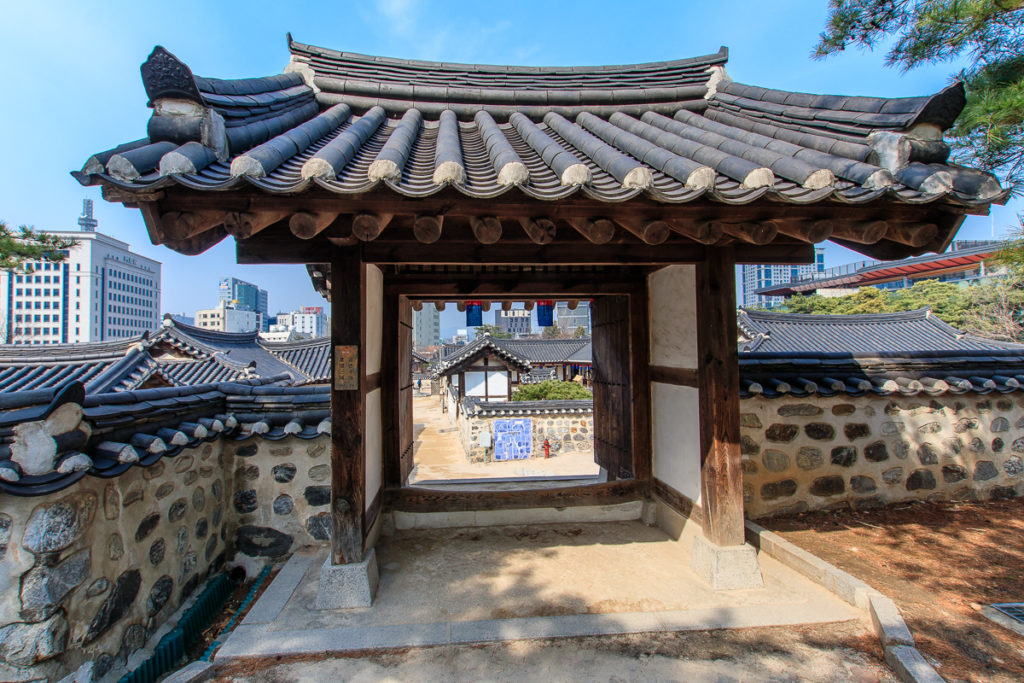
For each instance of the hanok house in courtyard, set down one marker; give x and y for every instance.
(639, 187)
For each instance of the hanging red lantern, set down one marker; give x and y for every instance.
(474, 313)
(545, 313)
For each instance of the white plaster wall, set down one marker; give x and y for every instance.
(676, 437)
(374, 459)
(673, 316)
(497, 385)
(475, 383)
(374, 313)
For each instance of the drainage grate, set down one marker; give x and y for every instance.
(1014, 610)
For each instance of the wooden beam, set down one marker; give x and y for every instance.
(705, 232)
(861, 233)
(414, 499)
(649, 232)
(348, 419)
(759, 233)
(244, 224)
(676, 500)
(539, 230)
(719, 398)
(683, 377)
(427, 229)
(599, 231)
(806, 231)
(913, 234)
(487, 229)
(369, 226)
(183, 225)
(306, 225)
(383, 252)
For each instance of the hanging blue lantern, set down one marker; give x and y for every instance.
(545, 313)
(474, 313)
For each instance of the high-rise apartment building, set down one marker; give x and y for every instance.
(426, 326)
(101, 291)
(245, 296)
(756, 276)
(571, 319)
(309, 320)
(517, 321)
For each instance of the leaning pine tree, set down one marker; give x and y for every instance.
(25, 244)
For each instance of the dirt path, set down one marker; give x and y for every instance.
(439, 455)
(834, 652)
(940, 562)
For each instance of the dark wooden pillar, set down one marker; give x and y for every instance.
(391, 385)
(640, 398)
(348, 416)
(719, 384)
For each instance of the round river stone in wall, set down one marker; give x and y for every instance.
(809, 458)
(198, 499)
(283, 505)
(985, 470)
(828, 486)
(117, 604)
(153, 471)
(182, 539)
(953, 473)
(844, 456)
(927, 455)
(115, 547)
(97, 587)
(820, 431)
(56, 526)
(134, 638)
(247, 473)
(320, 472)
(111, 502)
(856, 430)
(146, 526)
(211, 547)
(246, 450)
(1000, 424)
(182, 463)
(843, 409)
(862, 484)
(5, 533)
(920, 479)
(893, 476)
(159, 594)
(775, 461)
(317, 495)
(188, 565)
(876, 452)
(177, 510)
(1013, 466)
(156, 552)
(779, 489)
(748, 446)
(284, 473)
(781, 433)
(164, 490)
(800, 409)
(245, 501)
(261, 541)
(997, 445)
(1018, 445)
(202, 528)
(215, 518)
(319, 526)
(217, 489)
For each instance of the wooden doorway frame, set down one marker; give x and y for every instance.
(401, 289)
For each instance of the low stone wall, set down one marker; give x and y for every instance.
(280, 497)
(566, 429)
(820, 453)
(87, 573)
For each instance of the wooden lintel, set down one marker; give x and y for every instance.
(369, 226)
(705, 232)
(427, 229)
(413, 499)
(597, 231)
(245, 224)
(648, 232)
(759, 233)
(861, 233)
(487, 229)
(684, 377)
(539, 230)
(306, 225)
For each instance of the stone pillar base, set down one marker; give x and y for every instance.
(726, 567)
(343, 586)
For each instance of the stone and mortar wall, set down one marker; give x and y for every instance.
(280, 497)
(87, 573)
(821, 453)
(566, 432)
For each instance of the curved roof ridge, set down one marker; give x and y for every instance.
(273, 346)
(201, 335)
(832, 318)
(295, 46)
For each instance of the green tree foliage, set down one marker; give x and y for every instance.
(580, 332)
(550, 390)
(25, 244)
(492, 330)
(994, 309)
(552, 332)
(987, 34)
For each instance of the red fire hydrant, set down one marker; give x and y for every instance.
(547, 449)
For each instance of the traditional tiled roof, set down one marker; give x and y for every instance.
(476, 406)
(673, 131)
(199, 356)
(106, 434)
(521, 353)
(906, 353)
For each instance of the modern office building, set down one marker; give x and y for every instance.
(518, 321)
(757, 277)
(101, 291)
(964, 263)
(227, 318)
(426, 327)
(571, 319)
(245, 296)
(310, 321)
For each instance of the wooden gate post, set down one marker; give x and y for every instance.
(719, 385)
(348, 394)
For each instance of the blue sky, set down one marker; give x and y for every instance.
(72, 86)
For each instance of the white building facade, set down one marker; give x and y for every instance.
(224, 318)
(101, 291)
(571, 319)
(517, 321)
(426, 326)
(759, 275)
(310, 321)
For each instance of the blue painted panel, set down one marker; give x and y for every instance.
(513, 439)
